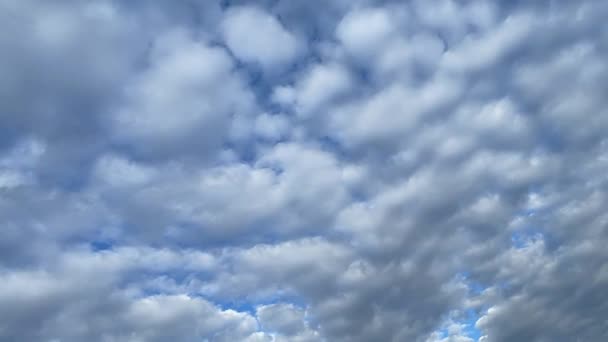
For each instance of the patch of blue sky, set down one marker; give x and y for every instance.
(522, 238)
(250, 305)
(469, 328)
(468, 317)
(474, 287)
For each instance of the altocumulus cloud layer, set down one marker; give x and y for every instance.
(347, 170)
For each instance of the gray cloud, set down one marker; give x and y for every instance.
(429, 171)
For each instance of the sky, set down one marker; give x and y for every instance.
(303, 171)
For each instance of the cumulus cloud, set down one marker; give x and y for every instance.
(190, 90)
(427, 171)
(255, 36)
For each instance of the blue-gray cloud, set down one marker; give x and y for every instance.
(427, 171)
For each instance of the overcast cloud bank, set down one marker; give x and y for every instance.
(346, 170)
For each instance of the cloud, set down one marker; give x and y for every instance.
(319, 86)
(178, 98)
(363, 32)
(433, 171)
(255, 36)
(60, 302)
(288, 320)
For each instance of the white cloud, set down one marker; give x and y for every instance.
(365, 32)
(272, 127)
(190, 91)
(320, 85)
(256, 36)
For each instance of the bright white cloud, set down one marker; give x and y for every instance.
(191, 90)
(256, 36)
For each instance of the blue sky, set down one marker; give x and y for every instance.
(344, 170)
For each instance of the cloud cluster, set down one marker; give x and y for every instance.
(425, 171)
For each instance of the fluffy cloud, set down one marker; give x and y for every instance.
(429, 171)
(88, 295)
(185, 100)
(255, 36)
